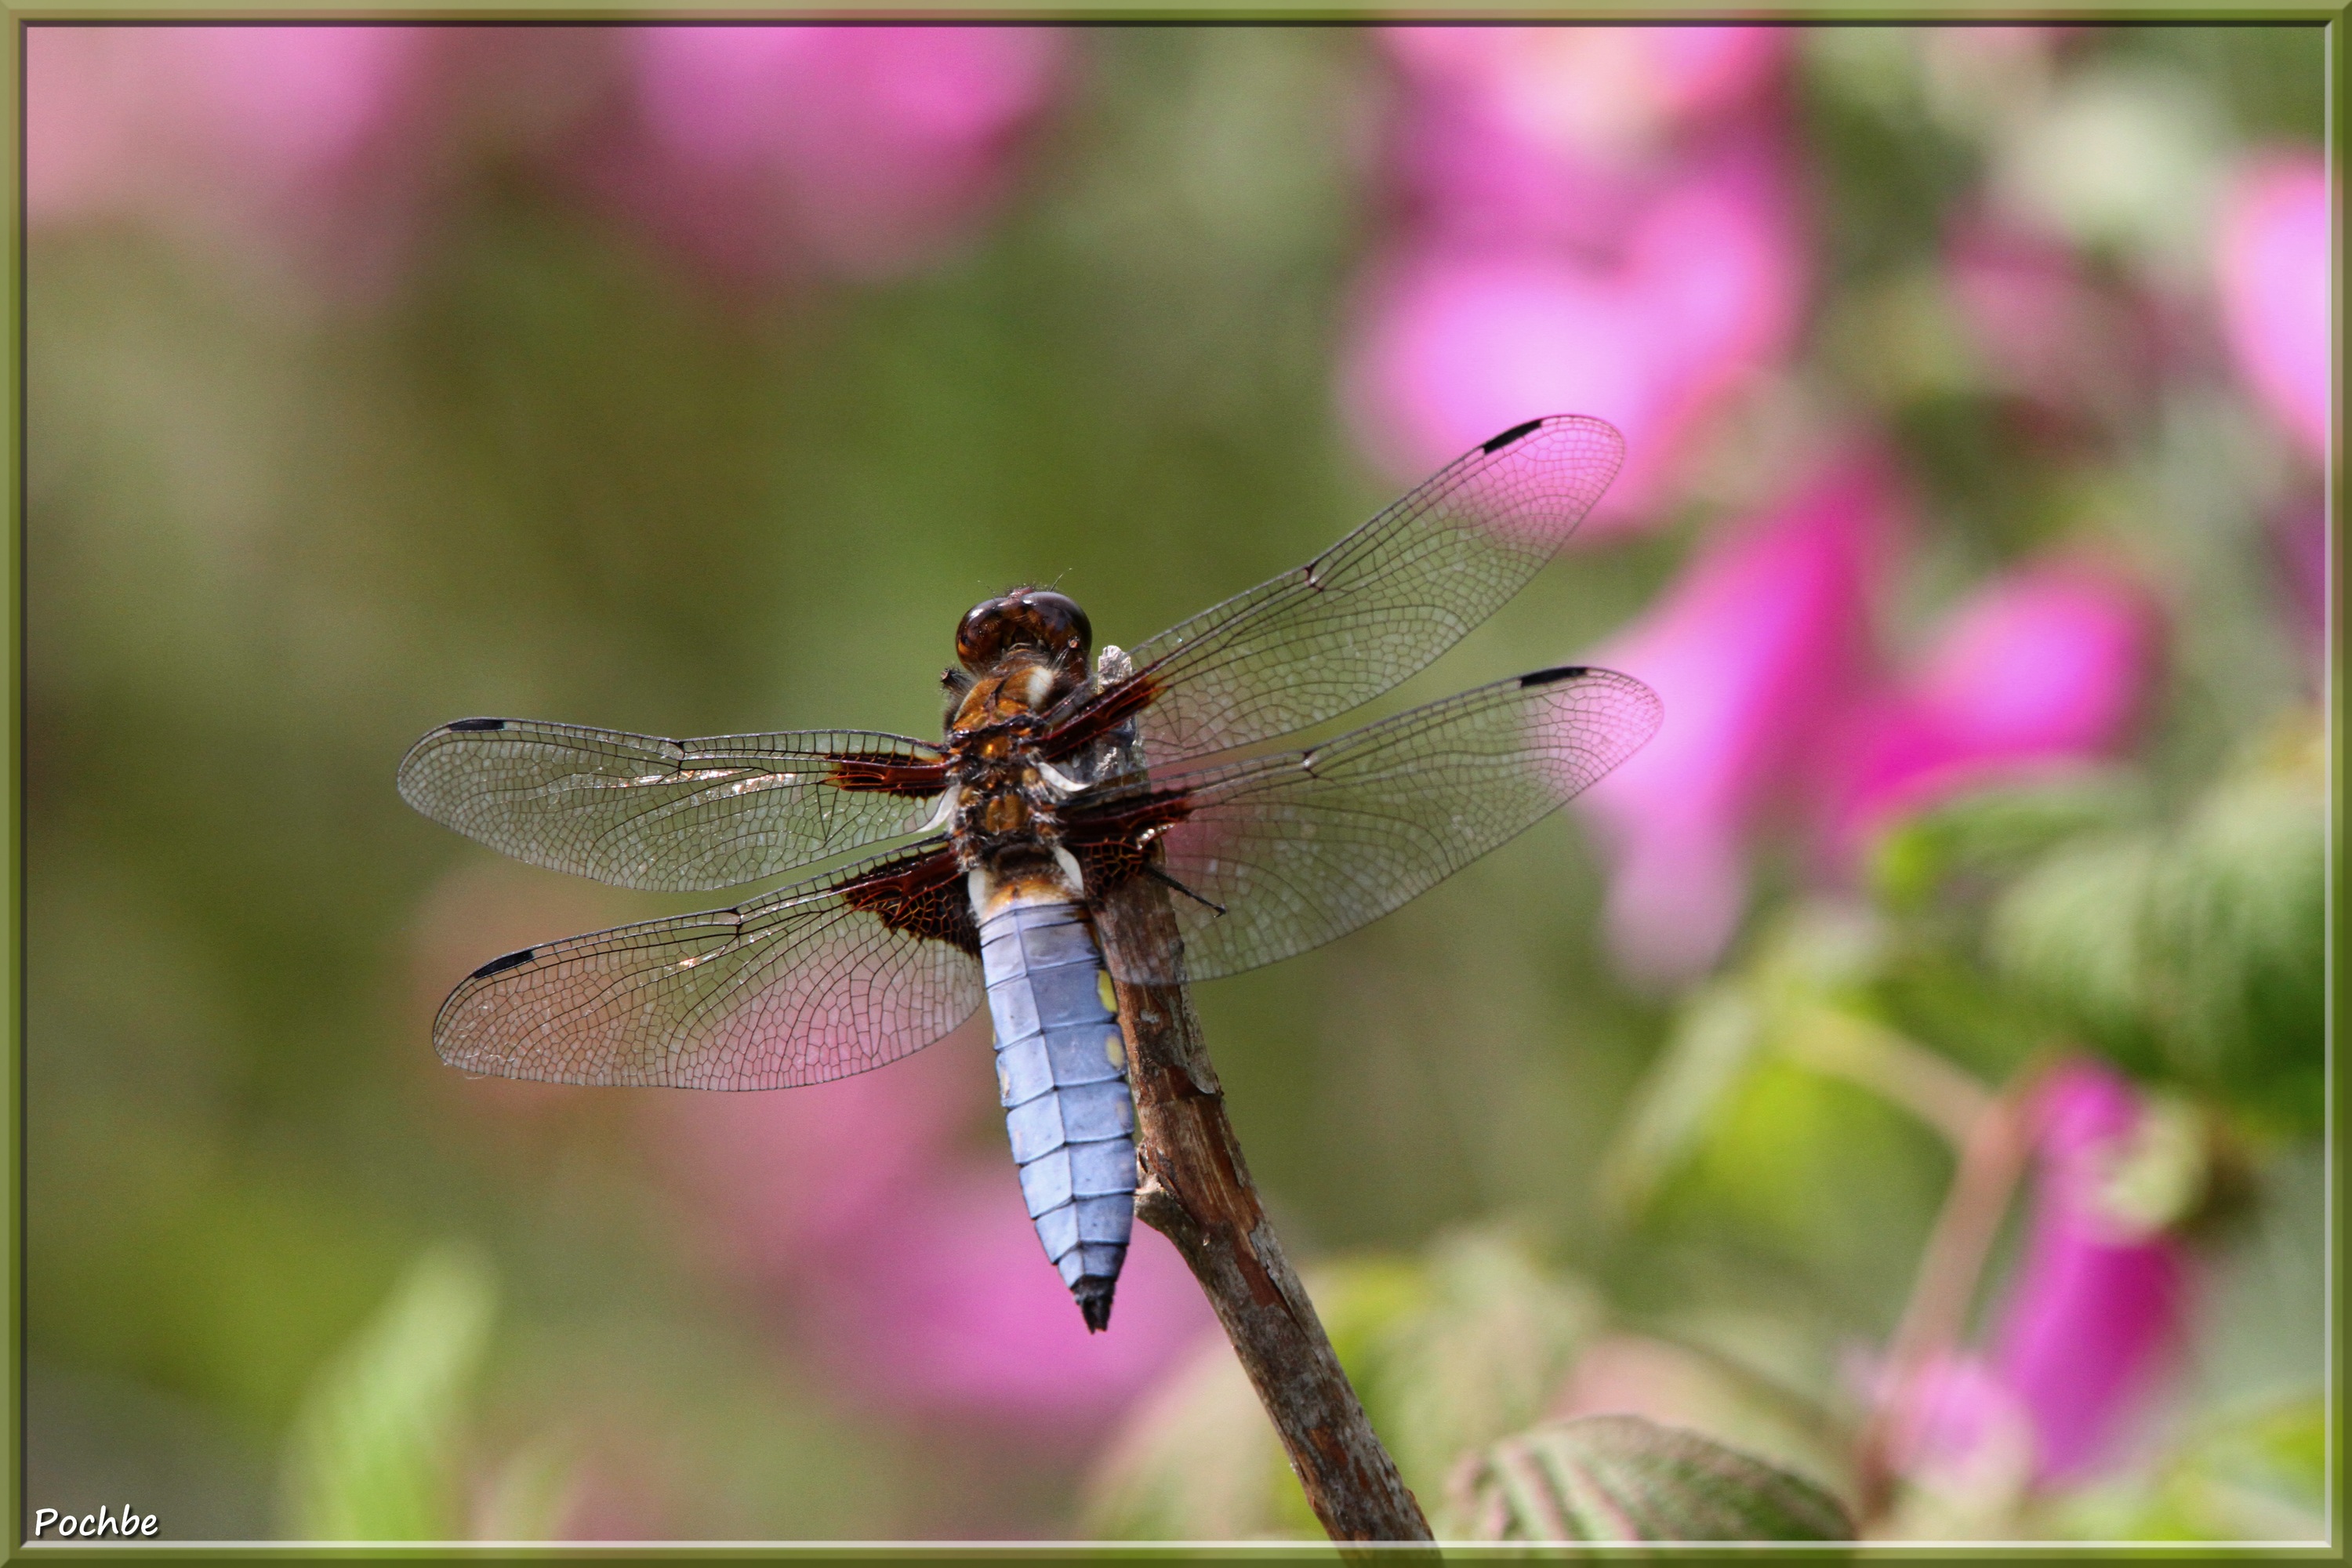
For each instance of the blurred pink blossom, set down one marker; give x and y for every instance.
(2042, 328)
(959, 1313)
(2047, 666)
(1962, 1432)
(2301, 539)
(781, 1185)
(887, 1223)
(1599, 91)
(863, 150)
(2097, 1301)
(1455, 337)
(2094, 1311)
(2274, 277)
(1755, 653)
(1536, 269)
(1765, 656)
(283, 141)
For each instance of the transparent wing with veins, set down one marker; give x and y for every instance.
(642, 811)
(1377, 607)
(1283, 853)
(797, 986)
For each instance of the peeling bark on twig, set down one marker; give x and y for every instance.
(1196, 1191)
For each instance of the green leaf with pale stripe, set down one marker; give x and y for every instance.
(1623, 1478)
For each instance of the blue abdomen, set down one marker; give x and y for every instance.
(1061, 1075)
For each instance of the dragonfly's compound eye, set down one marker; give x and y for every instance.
(1025, 618)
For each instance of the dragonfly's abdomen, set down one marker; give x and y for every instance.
(1061, 1074)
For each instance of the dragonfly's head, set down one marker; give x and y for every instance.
(1025, 618)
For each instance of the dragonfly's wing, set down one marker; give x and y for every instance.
(1305, 846)
(642, 812)
(813, 982)
(1375, 608)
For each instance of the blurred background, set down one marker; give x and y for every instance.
(1907, 1070)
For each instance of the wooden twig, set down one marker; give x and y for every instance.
(1196, 1191)
(1992, 1161)
(1920, 1080)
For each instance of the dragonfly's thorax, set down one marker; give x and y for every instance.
(1017, 688)
(1008, 799)
(1008, 796)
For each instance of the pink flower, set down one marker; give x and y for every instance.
(284, 142)
(957, 1313)
(863, 150)
(1602, 91)
(1764, 655)
(1491, 313)
(2097, 1301)
(1598, 220)
(2040, 329)
(783, 1187)
(1962, 1431)
(2092, 1315)
(2273, 269)
(1755, 653)
(2301, 540)
(2047, 666)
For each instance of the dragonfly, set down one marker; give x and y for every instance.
(1057, 783)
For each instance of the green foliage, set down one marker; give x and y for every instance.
(1622, 1478)
(531, 1495)
(265, 1266)
(2195, 952)
(2072, 930)
(374, 1453)
(1818, 1179)
(1992, 832)
(1706, 1057)
(1801, 983)
(1492, 1337)
(2256, 1474)
(1751, 1121)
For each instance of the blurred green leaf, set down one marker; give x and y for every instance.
(1484, 1357)
(2239, 921)
(1806, 1169)
(2073, 929)
(1712, 1042)
(1937, 994)
(1363, 1299)
(1621, 1478)
(2260, 1475)
(531, 1495)
(374, 1453)
(2198, 953)
(1808, 996)
(1742, 1378)
(1993, 831)
(2164, 1169)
